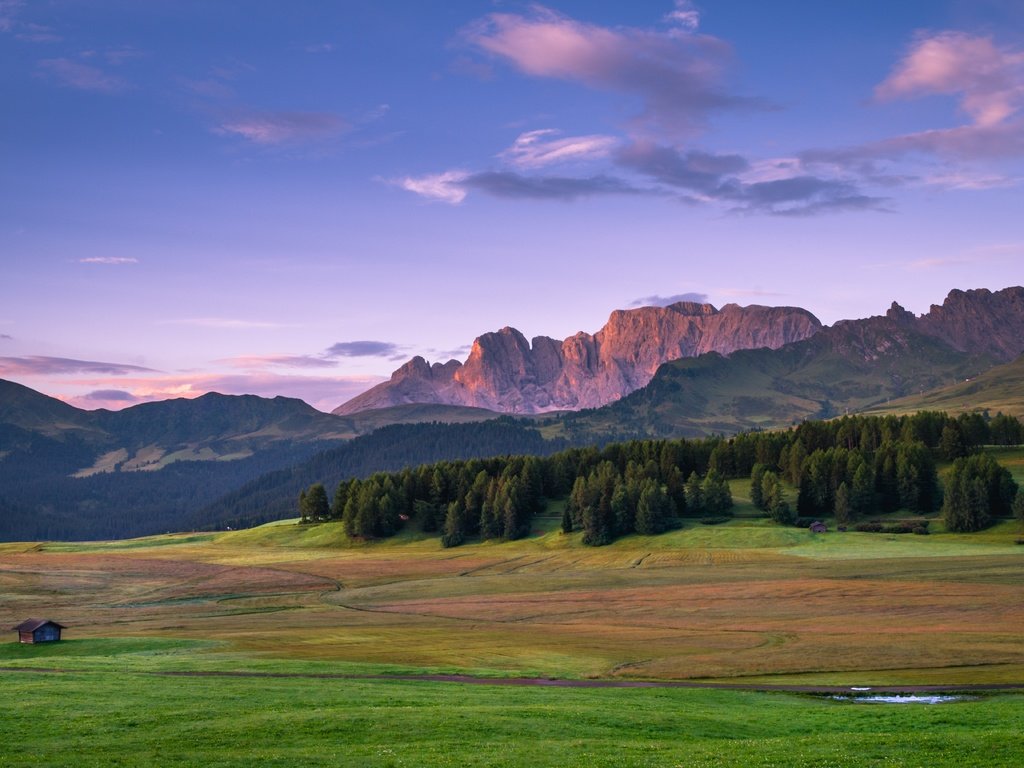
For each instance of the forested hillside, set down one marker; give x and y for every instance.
(850, 469)
(390, 448)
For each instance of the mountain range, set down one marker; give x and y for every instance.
(506, 373)
(682, 370)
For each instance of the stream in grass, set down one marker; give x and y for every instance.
(900, 698)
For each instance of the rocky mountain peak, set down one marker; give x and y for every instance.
(504, 372)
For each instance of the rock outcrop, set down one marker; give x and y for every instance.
(979, 321)
(504, 372)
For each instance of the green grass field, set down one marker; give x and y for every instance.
(741, 602)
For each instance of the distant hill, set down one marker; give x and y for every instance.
(390, 448)
(68, 473)
(1000, 389)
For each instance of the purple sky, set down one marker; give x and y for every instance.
(294, 198)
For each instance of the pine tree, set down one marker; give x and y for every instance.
(694, 495)
(756, 491)
(317, 508)
(716, 494)
(842, 510)
(653, 509)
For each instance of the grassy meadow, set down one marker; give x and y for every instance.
(159, 630)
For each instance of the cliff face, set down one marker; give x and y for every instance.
(980, 321)
(504, 372)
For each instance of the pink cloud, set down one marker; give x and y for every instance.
(536, 149)
(988, 82)
(444, 187)
(250, 362)
(84, 77)
(271, 128)
(988, 79)
(39, 365)
(676, 75)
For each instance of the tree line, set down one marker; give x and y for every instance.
(848, 468)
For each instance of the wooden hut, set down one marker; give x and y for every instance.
(38, 631)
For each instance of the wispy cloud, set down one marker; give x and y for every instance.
(724, 179)
(516, 186)
(536, 149)
(274, 128)
(37, 33)
(685, 16)
(6, 337)
(364, 349)
(675, 72)
(664, 301)
(987, 81)
(83, 77)
(279, 361)
(695, 171)
(444, 187)
(35, 365)
(319, 48)
(109, 260)
(8, 14)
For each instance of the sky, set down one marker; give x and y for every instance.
(294, 198)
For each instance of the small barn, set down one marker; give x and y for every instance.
(38, 631)
(818, 527)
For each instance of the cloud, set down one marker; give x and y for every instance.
(664, 301)
(6, 337)
(536, 149)
(116, 395)
(84, 77)
(780, 190)
(319, 48)
(696, 171)
(803, 196)
(449, 354)
(513, 185)
(274, 128)
(109, 260)
(37, 33)
(34, 365)
(676, 75)
(279, 361)
(364, 349)
(225, 323)
(8, 14)
(684, 16)
(445, 187)
(988, 80)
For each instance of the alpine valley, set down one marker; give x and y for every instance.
(678, 371)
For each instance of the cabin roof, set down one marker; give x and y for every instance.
(31, 625)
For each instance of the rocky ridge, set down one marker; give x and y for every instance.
(504, 372)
